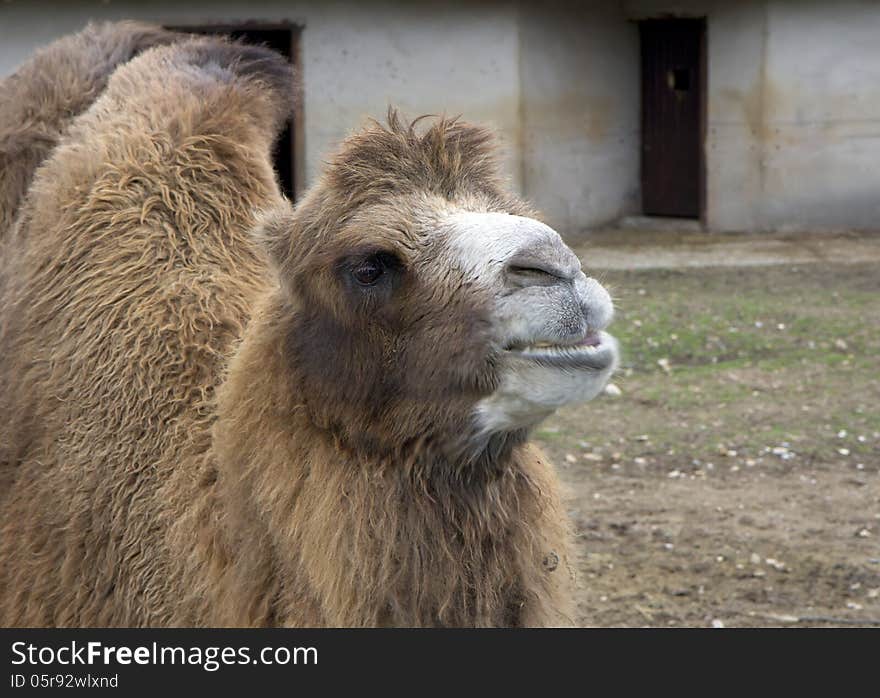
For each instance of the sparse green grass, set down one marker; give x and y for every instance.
(741, 317)
(736, 360)
(758, 443)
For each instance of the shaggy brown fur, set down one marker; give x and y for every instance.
(37, 104)
(39, 100)
(206, 434)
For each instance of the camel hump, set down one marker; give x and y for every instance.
(203, 85)
(104, 46)
(43, 96)
(63, 79)
(247, 68)
(247, 61)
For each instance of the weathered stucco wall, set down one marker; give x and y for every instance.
(793, 124)
(558, 81)
(580, 92)
(821, 141)
(793, 137)
(426, 59)
(357, 57)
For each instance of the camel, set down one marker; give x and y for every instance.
(39, 100)
(223, 410)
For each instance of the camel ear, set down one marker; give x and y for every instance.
(273, 232)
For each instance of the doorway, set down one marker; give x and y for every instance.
(283, 38)
(673, 117)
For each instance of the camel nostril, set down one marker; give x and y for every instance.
(595, 303)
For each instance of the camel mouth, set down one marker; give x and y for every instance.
(595, 351)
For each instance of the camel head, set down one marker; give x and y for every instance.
(425, 304)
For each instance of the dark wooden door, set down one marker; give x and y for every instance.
(672, 117)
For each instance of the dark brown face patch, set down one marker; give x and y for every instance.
(389, 341)
(395, 359)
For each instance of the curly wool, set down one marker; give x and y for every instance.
(163, 465)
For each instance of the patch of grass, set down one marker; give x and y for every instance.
(738, 361)
(732, 317)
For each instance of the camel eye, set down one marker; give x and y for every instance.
(368, 271)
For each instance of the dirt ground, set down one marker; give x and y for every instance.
(735, 480)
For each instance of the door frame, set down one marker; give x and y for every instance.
(703, 82)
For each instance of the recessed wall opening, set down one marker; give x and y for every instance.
(284, 38)
(673, 117)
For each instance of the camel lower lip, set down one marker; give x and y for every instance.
(596, 352)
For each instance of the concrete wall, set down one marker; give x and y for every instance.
(425, 58)
(580, 83)
(821, 140)
(558, 82)
(357, 57)
(793, 135)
